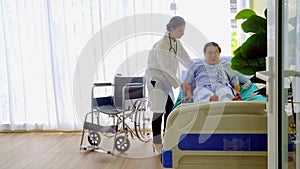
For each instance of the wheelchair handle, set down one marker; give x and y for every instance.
(134, 84)
(102, 84)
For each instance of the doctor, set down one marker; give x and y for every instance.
(163, 63)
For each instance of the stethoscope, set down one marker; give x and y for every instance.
(171, 47)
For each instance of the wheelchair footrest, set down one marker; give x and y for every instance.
(99, 128)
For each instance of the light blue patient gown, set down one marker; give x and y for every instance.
(216, 79)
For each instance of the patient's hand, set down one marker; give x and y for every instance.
(213, 98)
(237, 97)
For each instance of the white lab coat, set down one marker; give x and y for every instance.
(162, 68)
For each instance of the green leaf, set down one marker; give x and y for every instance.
(250, 57)
(255, 24)
(255, 46)
(237, 51)
(248, 66)
(245, 14)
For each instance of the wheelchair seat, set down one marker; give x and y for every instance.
(106, 105)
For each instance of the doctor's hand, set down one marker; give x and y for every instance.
(185, 87)
(187, 90)
(187, 98)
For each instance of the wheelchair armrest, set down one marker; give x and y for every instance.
(102, 84)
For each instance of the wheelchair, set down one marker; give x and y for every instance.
(126, 112)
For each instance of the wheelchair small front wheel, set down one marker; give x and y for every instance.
(94, 138)
(122, 144)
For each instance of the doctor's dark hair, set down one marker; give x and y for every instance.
(175, 22)
(211, 44)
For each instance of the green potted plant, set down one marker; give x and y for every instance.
(250, 57)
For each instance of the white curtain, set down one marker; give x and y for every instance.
(42, 41)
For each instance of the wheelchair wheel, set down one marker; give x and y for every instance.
(142, 121)
(94, 138)
(122, 144)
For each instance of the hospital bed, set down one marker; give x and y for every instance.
(214, 135)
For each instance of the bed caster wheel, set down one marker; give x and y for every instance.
(94, 138)
(122, 144)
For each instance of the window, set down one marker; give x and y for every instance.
(39, 54)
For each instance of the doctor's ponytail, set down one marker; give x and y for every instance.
(175, 22)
